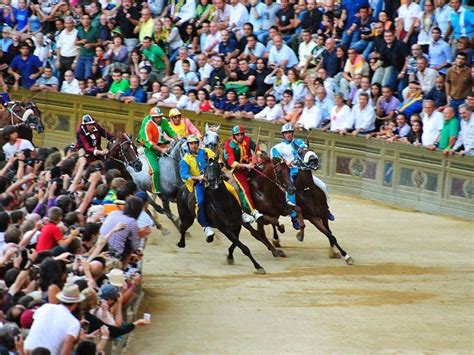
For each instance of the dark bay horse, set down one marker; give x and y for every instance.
(123, 155)
(222, 210)
(313, 202)
(268, 185)
(25, 115)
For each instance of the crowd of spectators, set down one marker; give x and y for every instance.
(345, 66)
(72, 236)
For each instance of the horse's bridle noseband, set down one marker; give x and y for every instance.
(122, 154)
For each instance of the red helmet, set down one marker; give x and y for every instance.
(238, 130)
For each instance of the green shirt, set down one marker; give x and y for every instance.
(92, 36)
(120, 87)
(450, 129)
(155, 55)
(153, 133)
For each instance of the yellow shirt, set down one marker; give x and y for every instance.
(146, 29)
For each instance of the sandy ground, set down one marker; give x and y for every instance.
(410, 289)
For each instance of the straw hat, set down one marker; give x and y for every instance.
(70, 294)
(116, 278)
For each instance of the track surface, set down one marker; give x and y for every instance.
(410, 290)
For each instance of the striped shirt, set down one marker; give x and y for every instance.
(119, 239)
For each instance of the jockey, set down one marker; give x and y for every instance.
(288, 150)
(154, 134)
(238, 158)
(183, 127)
(88, 137)
(191, 170)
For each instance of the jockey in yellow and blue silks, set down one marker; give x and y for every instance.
(288, 150)
(191, 169)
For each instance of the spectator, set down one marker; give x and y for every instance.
(25, 66)
(204, 70)
(127, 17)
(325, 105)
(268, 19)
(442, 13)
(279, 80)
(438, 93)
(218, 74)
(156, 56)
(362, 40)
(465, 141)
(402, 129)
(134, 93)
(364, 88)
(409, 13)
(144, 27)
(211, 45)
(461, 21)
(272, 112)
(355, 65)
(14, 144)
(415, 135)
(330, 60)
(285, 20)
(362, 119)
(66, 49)
(204, 104)
(432, 123)
(458, 81)
(449, 132)
(88, 37)
(281, 55)
(340, 114)
(438, 52)
(311, 117)
(426, 22)
(47, 82)
(311, 19)
(386, 105)
(253, 50)
(416, 53)
(245, 78)
(51, 235)
(261, 72)
(413, 102)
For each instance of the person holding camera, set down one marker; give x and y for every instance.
(88, 137)
(51, 234)
(14, 144)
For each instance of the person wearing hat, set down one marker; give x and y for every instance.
(183, 127)
(14, 144)
(288, 150)
(238, 158)
(152, 136)
(88, 137)
(54, 326)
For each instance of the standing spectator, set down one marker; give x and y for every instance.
(66, 49)
(362, 40)
(211, 44)
(442, 14)
(157, 57)
(386, 106)
(145, 25)
(127, 17)
(119, 85)
(134, 93)
(438, 93)
(461, 21)
(25, 66)
(362, 119)
(204, 104)
(218, 74)
(279, 82)
(427, 21)
(285, 20)
(54, 326)
(14, 144)
(269, 17)
(458, 81)
(88, 38)
(403, 128)
(355, 65)
(312, 17)
(449, 132)
(238, 15)
(311, 117)
(51, 235)
(432, 123)
(256, 14)
(70, 84)
(438, 52)
(410, 13)
(465, 142)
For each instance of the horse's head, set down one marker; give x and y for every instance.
(178, 149)
(32, 116)
(282, 173)
(124, 151)
(213, 173)
(308, 160)
(211, 137)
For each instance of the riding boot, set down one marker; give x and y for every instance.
(331, 216)
(209, 234)
(294, 220)
(256, 215)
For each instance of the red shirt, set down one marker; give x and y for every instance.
(48, 239)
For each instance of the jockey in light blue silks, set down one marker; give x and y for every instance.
(288, 150)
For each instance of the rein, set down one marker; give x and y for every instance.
(14, 114)
(266, 177)
(125, 160)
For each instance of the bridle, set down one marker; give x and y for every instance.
(275, 182)
(122, 154)
(217, 181)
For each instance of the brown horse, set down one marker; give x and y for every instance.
(25, 115)
(268, 185)
(313, 202)
(123, 155)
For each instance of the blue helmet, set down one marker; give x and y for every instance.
(287, 127)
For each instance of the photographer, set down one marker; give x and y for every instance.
(51, 235)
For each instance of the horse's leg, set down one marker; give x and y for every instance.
(230, 256)
(166, 207)
(324, 228)
(262, 238)
(235, 240)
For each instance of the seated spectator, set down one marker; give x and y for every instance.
(465, 142)
(355, 65)
(463, 47)
(279, 80)
(296, 85)
(205, 105)
(70, 84)
(287, 103)
(449, 132)
(253, 51)
(218, 74)
(281, 55)
(402, 128)
(362, 119)
(305, 50)
(425, 76)
(311, 117)
(432, 123)
(340, 114)
(245, 109)
(134, 93)
(245, 78)
(231, 104)
(386, 132)
(413, 102)
(415, 135)
(272, 111)
(47, 82)
(211, 45)
(438, 93)
(228, 46)
(193, 103)
(364, 88)
(218, 99)
(163, 98)
(188, 78)
(119, 85)
(325, 104)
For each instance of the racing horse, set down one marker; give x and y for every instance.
(123, 155)
(313, 202)
(222, 210)
(24, 115)
(211, 138)
(268, 183)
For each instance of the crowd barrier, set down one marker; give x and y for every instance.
(397, 174)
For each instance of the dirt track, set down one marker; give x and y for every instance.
(410, 290)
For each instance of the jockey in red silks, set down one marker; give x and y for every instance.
(88, 137)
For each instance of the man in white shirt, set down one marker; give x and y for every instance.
(213, 39)
(67, 50)
(305, 48)
(281, 55)
(222, 15)
(54, 327)
(425, 76)
(409, 13)
(311, 117)
(272, 112)
(14, 144)
(185, 13)
(253, 50)
(70, 84)
(238, 15)
(362, 118)
(204, 70)
(432, 123)
(465, 141)
(178, 67)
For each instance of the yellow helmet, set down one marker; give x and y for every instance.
(174, 112)
(155, 112)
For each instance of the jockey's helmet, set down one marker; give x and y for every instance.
(192, 139)
(156, 112)
(87, 119)
(238, 130)
(287, 127)
(174, 112)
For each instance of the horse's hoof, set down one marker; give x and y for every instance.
(334, 254)
(165, 231)
(300, 236)
(230, 261)
(279, 254)
(349, 259)
(210, 239)
(281, 228)
(260, 271)
(276, 243)
(181, 244)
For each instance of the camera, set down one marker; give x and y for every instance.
(70, 258)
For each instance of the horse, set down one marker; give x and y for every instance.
(123, 155)
(268, 183)
(25, 115)
(211, 137)
(313, 202)
(222, 210)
